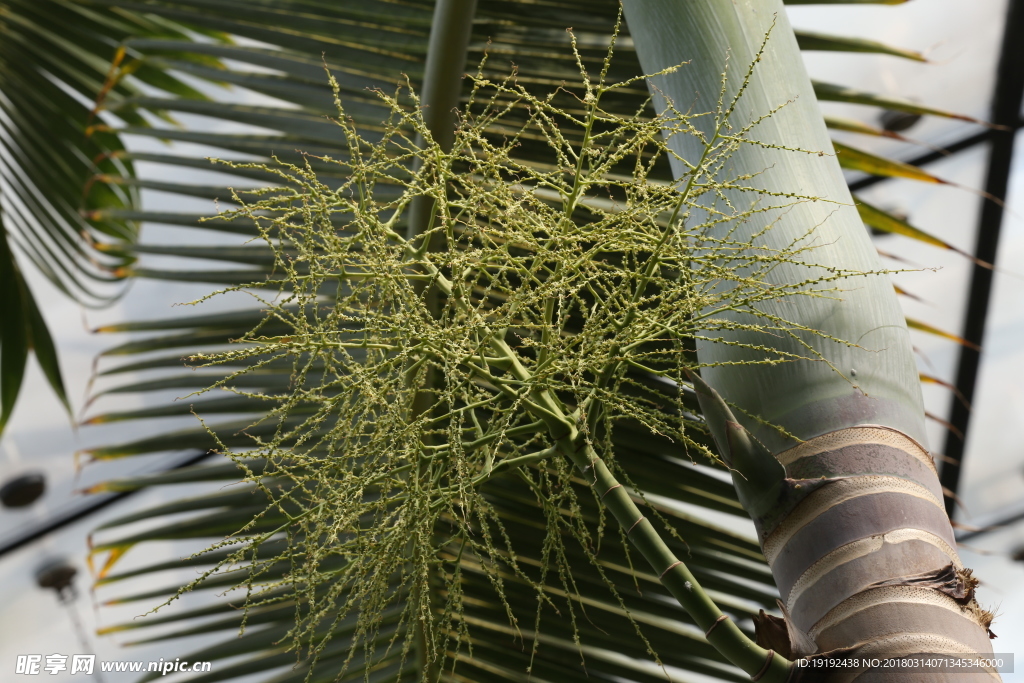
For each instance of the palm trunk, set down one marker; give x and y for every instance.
(854, 529)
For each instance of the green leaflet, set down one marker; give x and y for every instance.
(931, 329)
(270, 381)
(271, 548)
(829, 92)
(215, 406)
(14, 343)
(854, 126)
(859, 160)
(212, 526)
(232, 435)
(244, 319)
(230, 499)
(820, 41)
(23, 330)
(185, 475)
(887, 222)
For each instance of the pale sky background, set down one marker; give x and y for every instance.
(963, 46)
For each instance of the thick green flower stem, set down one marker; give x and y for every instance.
(719, 629)
(761, 664)
(721, 632)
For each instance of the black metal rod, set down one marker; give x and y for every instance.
(1009, 89)
(79, 512)
(997, 525)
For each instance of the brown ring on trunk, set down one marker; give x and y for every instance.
(839, 492)
(718, 621)
(674, 564)
(852, 459)
(767, 662)
(642, 518)
(610, 490)
(861, 434)
(860, 547)
(856, 566)
(859, 518)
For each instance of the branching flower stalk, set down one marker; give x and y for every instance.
(567, 293)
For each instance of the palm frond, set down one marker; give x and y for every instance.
(54, 61)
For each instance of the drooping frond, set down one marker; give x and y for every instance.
(54, 61)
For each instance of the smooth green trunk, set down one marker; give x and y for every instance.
(877, 382)
(855, 531)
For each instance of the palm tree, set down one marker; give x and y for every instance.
(819, 405)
